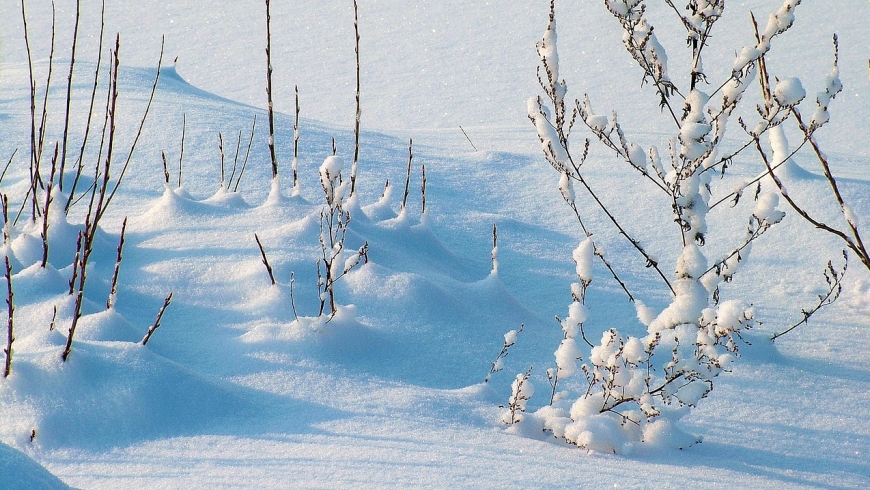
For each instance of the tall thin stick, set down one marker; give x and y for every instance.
(353, 167)
(423, 189)
(292, 296)
(80, 160)
(10, 337)
(235, 160)
(113, 292)
(265, 260)
(494, 253)
(269, 91)
(181, 155)
(221, 148)
(408, 173)
(43, 123)
(296, 142)
(72, 64)
(45, 210)
(157, 321)
(247, 154)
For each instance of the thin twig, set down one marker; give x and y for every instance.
(113, 294)
(10, 337)
(408, 173)
(469, 139)
(265, 260)
(157, 320)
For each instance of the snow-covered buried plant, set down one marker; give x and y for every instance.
(637, 386)
(334, 220)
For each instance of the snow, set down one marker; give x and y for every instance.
(243, 386)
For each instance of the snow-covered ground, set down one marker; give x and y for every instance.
(233, 392)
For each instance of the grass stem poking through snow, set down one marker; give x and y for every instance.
(271, 110)
(181, 154)
(157, 320)
(235, 161)
(4, 200)
(221, 148)
(469, 139)
(423, 190)
(113, 292)
(247, 154)
(10, 336)
(265, 260)
(292, 295)
(165, 168)
(295, 165)
(53, 318)
(408, 173)
(494, 253)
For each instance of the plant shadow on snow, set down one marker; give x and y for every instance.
(773, 464)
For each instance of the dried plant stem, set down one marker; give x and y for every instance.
(408, 173)
(292, 296)
(141, 126)
(265, 260)
(10, 336)
(165, 168)
(235, 160)
(181, 155)
(46, 209)
(353, 167)
(157, 320)
(247, 154)
(221, 148)
(271, 111)
(113, 292)
(296, 142)
(494, 253)
(72, 64)
(8, 164)
(834, 279)
(469, 139)
(80, 160)
(423, 189)
(4, 200)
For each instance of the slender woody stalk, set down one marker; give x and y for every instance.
(272, 155)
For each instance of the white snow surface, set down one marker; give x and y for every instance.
(234, 391)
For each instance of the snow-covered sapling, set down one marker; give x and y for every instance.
(522, 390)
(510, 338)
(334, 221)
(633, 381)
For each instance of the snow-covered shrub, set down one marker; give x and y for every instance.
(334, 220)
(637, 386)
